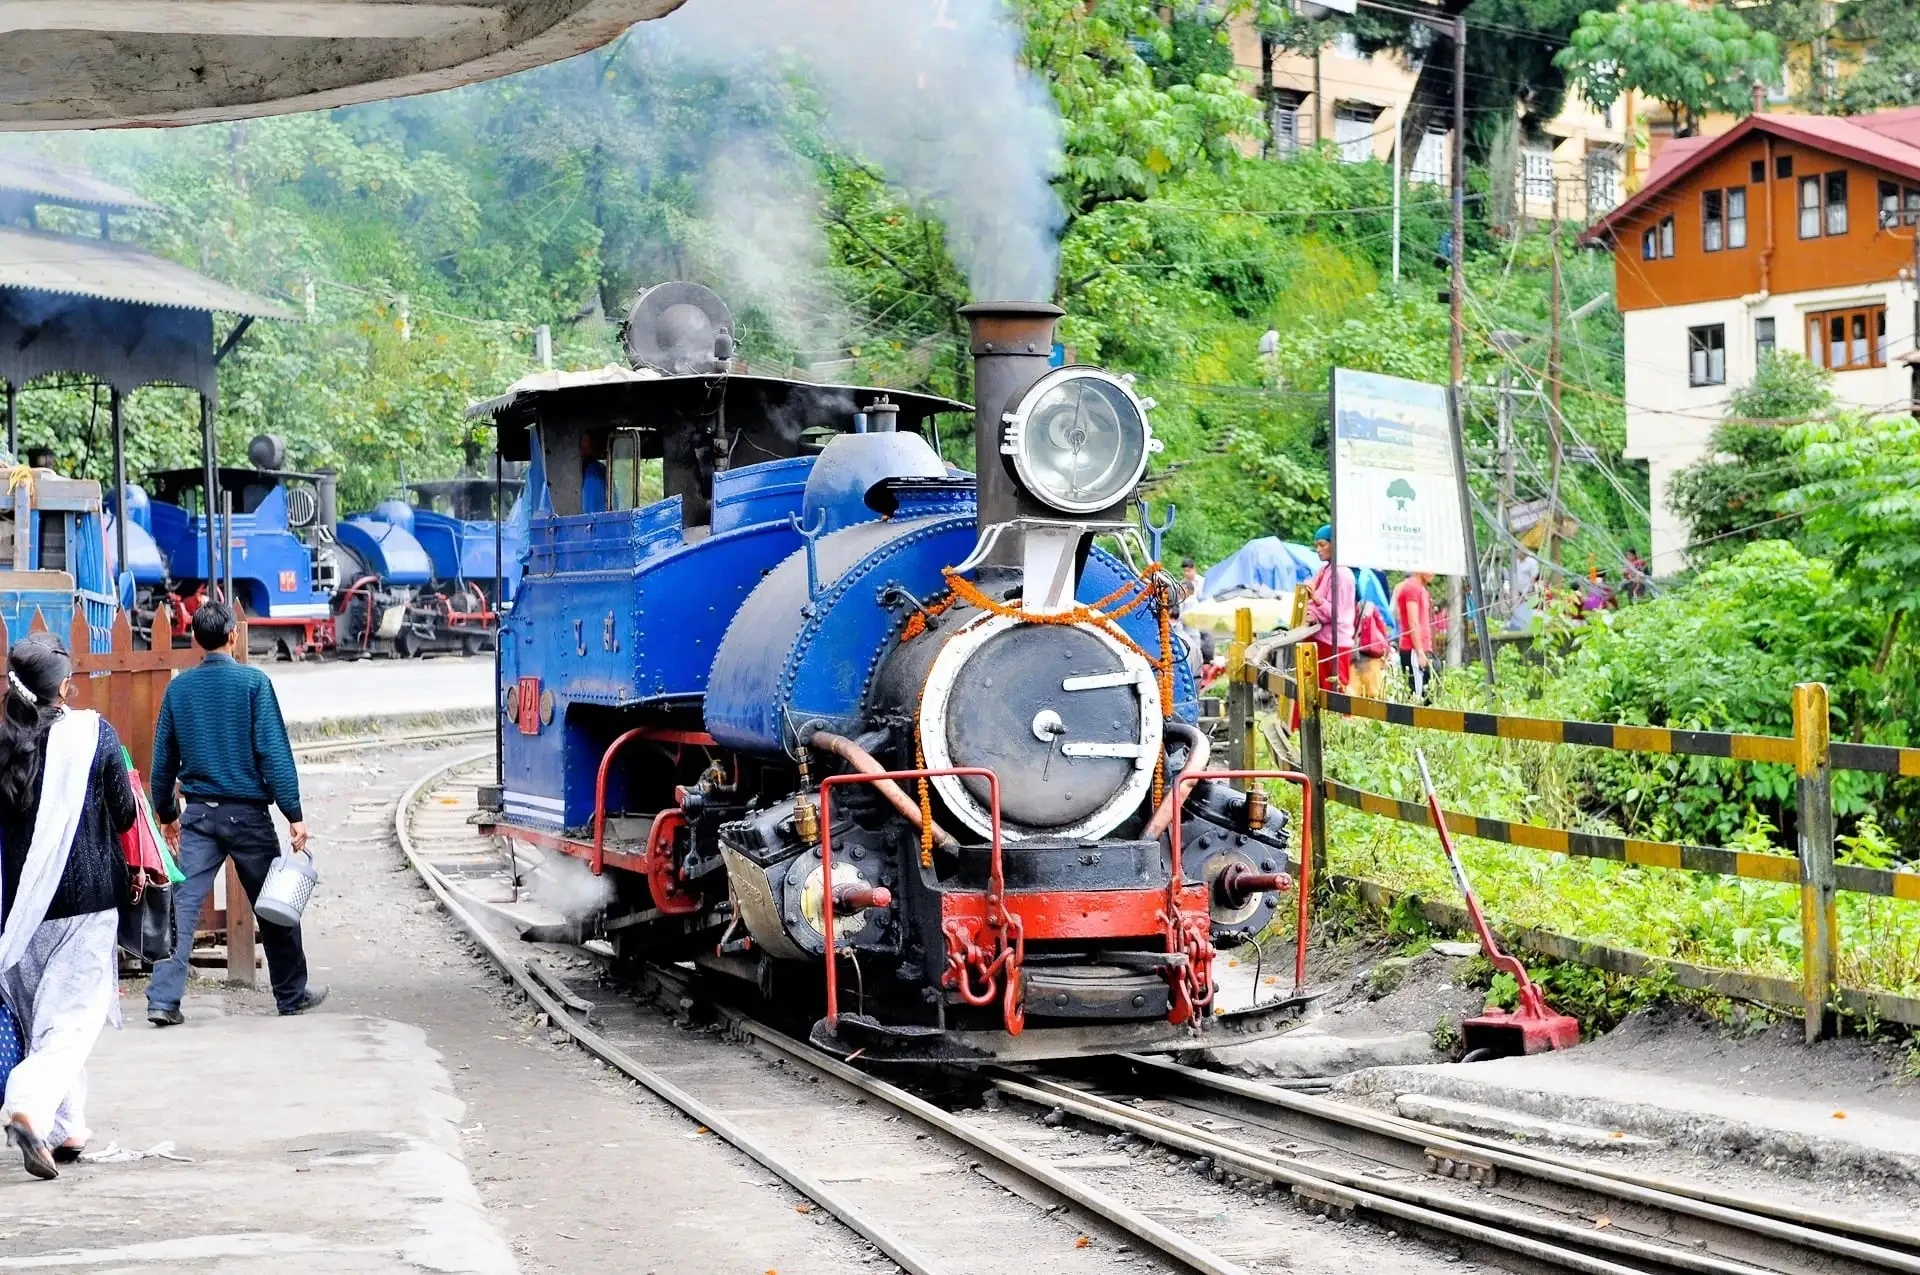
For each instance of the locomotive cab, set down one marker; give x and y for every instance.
(787, 674)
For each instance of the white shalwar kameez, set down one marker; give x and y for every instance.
(59, 977)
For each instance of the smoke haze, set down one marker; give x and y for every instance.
(929, 91)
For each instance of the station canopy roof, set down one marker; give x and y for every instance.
(105, 270)
(100, 63)
(97, 306)
(27, 179)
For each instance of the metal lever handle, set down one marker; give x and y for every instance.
(1156, 531)
(810, 535)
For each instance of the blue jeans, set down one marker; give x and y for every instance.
(209, 835)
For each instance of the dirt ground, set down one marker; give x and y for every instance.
(579, 1169)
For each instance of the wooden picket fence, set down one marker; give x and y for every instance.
(126, 686)
(1809, 750)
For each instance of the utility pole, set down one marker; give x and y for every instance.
(1553, 391)
(1509, 477)
(1267, 147)
(1399, 140)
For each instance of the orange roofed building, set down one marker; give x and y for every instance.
(1788, 232)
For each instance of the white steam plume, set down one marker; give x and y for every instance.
(932, 92)
(569, 887)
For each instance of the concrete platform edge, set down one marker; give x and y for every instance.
(1704, 1132)
(366, 725)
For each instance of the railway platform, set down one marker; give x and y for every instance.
(336, 697)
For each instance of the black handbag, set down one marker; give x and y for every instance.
(147, 924)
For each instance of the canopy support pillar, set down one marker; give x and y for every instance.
(211, 477)
(116, 401)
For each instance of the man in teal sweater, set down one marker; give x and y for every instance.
(221, 739)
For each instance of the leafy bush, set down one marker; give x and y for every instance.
(1722, 654)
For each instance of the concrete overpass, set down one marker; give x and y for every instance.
(120, 63)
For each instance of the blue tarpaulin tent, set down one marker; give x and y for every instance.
(1275, 567)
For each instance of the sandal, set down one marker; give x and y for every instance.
(33, 1152)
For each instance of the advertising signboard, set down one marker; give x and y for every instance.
(1395, 476)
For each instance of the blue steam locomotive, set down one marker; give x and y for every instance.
(403, 579)
(788, 674)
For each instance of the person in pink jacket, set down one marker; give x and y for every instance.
(1333, 608)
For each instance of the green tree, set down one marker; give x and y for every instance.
(1691, 60)
(1860, 501)
(1729, 496)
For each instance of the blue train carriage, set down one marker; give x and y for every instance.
(280, 556)
(53, 554)
(456, 522)
(742, 592)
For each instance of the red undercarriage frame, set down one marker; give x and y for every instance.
(986, 931)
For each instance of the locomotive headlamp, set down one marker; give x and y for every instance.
(1079, 440)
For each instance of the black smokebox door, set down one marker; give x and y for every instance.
(1009, 694)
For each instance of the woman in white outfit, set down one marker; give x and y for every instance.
(64, 800)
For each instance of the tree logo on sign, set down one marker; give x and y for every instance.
(1400, 493)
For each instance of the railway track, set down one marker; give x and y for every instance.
(1495, 1196)
(897, 1167)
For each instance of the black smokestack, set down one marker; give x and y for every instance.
(1012, 342)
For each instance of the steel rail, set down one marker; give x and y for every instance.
(1061, 1183)
(1821, 1233)
(1433, 1210)
(854, 1217)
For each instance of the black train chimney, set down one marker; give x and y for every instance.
(1012, 343)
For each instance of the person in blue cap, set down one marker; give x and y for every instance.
(1332, 607)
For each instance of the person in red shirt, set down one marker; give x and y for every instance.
(1413, 611)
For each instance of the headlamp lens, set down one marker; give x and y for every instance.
(1084, 445)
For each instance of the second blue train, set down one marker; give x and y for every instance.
(412, 576)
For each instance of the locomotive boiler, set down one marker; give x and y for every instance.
(903, 746)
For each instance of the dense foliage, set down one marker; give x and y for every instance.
(1729, 495)
(1693, 60)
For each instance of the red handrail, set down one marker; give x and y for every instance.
(1306, 853)
(665, 823)
(996, 876)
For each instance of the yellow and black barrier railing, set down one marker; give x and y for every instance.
(1547, 730)
(1809, 750)
(1749, 865)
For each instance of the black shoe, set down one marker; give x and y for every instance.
(67, 1155)
(165, 1017)
(309, 999)
(33, 1152)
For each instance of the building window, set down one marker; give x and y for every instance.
(1809, 207)
(1537, 172)
(1713, 222)
(1344, 45)
(1899, 205)
(1707, 355)
(1430, 161)
(1603, 181)
(1763, 338)
(1847, 340)
(1783, 166)
(1353, 132)
(1757, 171)
(1836, 203)
(1284, 119)
(1736, 217)
(1658, 241)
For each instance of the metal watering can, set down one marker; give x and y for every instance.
(284, 894)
